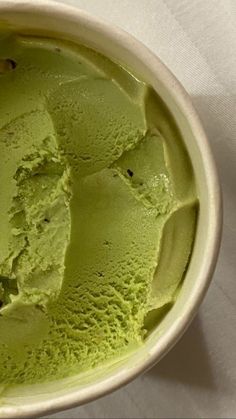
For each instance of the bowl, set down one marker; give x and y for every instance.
(59, 20)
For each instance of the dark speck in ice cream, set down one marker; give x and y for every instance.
(7, 65)
(130, 173)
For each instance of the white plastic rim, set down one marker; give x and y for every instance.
(66, 22)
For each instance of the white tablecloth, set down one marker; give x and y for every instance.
(197, 41)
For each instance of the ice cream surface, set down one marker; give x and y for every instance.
(98, 209)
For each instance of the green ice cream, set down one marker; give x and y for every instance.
(98, 209)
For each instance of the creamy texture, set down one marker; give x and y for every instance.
(98, 209)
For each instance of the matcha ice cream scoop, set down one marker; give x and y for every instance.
(98, 209)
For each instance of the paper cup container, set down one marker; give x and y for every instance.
(65, 22)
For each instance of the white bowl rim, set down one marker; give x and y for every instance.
(94, 391)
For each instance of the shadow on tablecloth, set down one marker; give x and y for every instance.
(189, 361)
